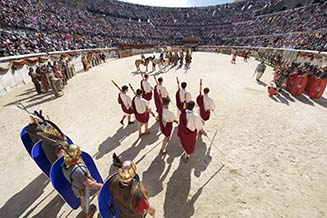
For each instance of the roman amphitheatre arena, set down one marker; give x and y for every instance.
(265, 153)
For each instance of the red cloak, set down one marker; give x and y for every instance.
(179, 103)
(123, 107)
(166, 130)
(205, 115)
(146, 96)
(157, 100)
(186, 136)
(142, 118)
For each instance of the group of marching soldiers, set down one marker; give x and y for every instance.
(177, 56)
(189, 122)
(283, 73)
(52, 76)
(92, 60)
(169, 58)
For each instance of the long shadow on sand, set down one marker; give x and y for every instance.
(137, 146)
(321, 101)
(177, 204)
(304, 100)
(33, 100)
(114, 141)
(23, 199)
(52, 208)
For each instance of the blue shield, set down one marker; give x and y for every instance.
(41, 159)
(26, 140)
(107, 205)
(63, 186)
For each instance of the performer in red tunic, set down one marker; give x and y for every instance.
(206, 104)
(159, 93)
(182, 96)
(147, 88)
(126, 105)
(189, 126)
(166, 119)
(141, 112)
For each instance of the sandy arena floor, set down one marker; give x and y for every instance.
(273, 151)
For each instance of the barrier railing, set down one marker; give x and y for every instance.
(11, 76)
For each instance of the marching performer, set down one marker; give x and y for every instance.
(78, 175)
(141, 111)
(125, 102)
(129, 194)
(260, 70)
(188, 58)
(159, 93)
(182, 96)
(147, 88)
(189, 126)
(166, 119)
(205, 103)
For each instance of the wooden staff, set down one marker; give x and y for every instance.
(200, 86)
(177, 83)
(133, 90)
(116, 85)
(155, 78)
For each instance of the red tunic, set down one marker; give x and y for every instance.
(157, 100)
(166, 130)
(142, 118)
(146, 96)
(186, 136)
(179, 103)
(205, 115)
(123, 107)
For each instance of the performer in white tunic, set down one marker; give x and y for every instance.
(209, 104)
(166, 123)
(161, 89)
(141, 111)
(190, 124)
(147, 88)
(206, 105)
(184, 95)
(126, 104)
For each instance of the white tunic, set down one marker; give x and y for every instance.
(146, 86)
(127, 101)
(208, 103)
(167, 116)
(193, 121)
(162, 91)
(140, 105)
(182, 93)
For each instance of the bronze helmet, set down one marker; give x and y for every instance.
(72, 153)
(127, 171)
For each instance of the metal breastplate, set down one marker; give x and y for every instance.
(68, 172)
(125, 198)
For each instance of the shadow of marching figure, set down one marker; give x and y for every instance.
(177, 204)
(261, 83)
(22, 200)
(153, 177)
(322, 101)
(304, 100)
(114, 141)
(287, 95)
(52, 208)
(174, 148)
(137, 146)
(279, 99)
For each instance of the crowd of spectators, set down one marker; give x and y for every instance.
(31, 26)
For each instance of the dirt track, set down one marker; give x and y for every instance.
(274, 151)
